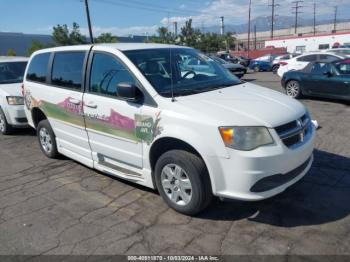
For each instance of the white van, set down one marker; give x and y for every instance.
(11, 99)
(134, 111)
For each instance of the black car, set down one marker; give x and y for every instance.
(324, 79)
(236, 69)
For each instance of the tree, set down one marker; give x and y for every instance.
(11, 52)
(164, 37)
(36, 45)
(106, 38)
(190, 36)
(62, 36)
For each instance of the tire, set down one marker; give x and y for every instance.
(275, 68)
(256, 68)
(47, 139)
(187, 190)
(5, 127)
(293, 89)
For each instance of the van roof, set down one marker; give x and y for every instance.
(119, 46)
(13, 59)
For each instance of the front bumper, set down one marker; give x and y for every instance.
(263, 172)
(15, 116)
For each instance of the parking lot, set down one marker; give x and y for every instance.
(62, 207)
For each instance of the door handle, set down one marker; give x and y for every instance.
(74, 101)
(91, 105)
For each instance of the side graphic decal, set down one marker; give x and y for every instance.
(141, 128)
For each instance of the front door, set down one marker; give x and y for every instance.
(110, 120)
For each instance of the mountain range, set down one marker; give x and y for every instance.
(263, 23)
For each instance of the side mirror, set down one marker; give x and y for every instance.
(128, 91)
(328, 74)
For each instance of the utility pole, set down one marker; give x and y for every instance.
(249, 13)
(89, 21)
(297, 12)
(335, 18)
(315, 18)
(254, 37)
(273, 5)
(175, 28)
(222, 26)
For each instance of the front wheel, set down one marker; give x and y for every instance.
(256, 68)
(5, 127)
(183, 181)
(293, 89)
(275, 68)
(47, 139)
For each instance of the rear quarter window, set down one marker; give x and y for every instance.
(67, 69)
(37, 70)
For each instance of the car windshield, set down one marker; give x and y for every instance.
(181, 71)
(12, 72)
(219, 60)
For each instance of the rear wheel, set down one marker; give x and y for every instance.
(47, 139)
(256, 68)
(5, 127)
(183, 181)
(293, 89)
(275, 68)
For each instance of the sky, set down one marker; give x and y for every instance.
(143, 17)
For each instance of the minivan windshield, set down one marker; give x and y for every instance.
(181, 71)
(12, 72)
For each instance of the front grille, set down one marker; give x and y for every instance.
(294, 133)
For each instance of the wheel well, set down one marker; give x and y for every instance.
(165, 144)
(37, 116)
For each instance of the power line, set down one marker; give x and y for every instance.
(297, 12)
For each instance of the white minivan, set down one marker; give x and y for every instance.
(137, 112)
(11, 99)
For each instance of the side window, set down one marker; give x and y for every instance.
(106, 73)
(343, 68)
(320, 68)
(328, 58)
(307, 58)
(67, 69)
(37, 70)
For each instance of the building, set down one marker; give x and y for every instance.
(263, 39)
(309, 43)
(20, 42)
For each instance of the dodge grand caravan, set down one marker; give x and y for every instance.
(136, 112)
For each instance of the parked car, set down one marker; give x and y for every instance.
(244, 61)
(134, 111)
(340, 51)
(280, 60)
(11, 98)
(263, 63)
(236, 69)
(319, 78)
(300, 62)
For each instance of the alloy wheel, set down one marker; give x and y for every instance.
(2, 123)
(292, 89)
(176, 184)
(45, 140)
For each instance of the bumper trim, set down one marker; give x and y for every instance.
(271, 182)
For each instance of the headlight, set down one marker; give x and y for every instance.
(245, 138)
(15, 100)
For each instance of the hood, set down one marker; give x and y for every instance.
(11, 89)
(244, 105)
